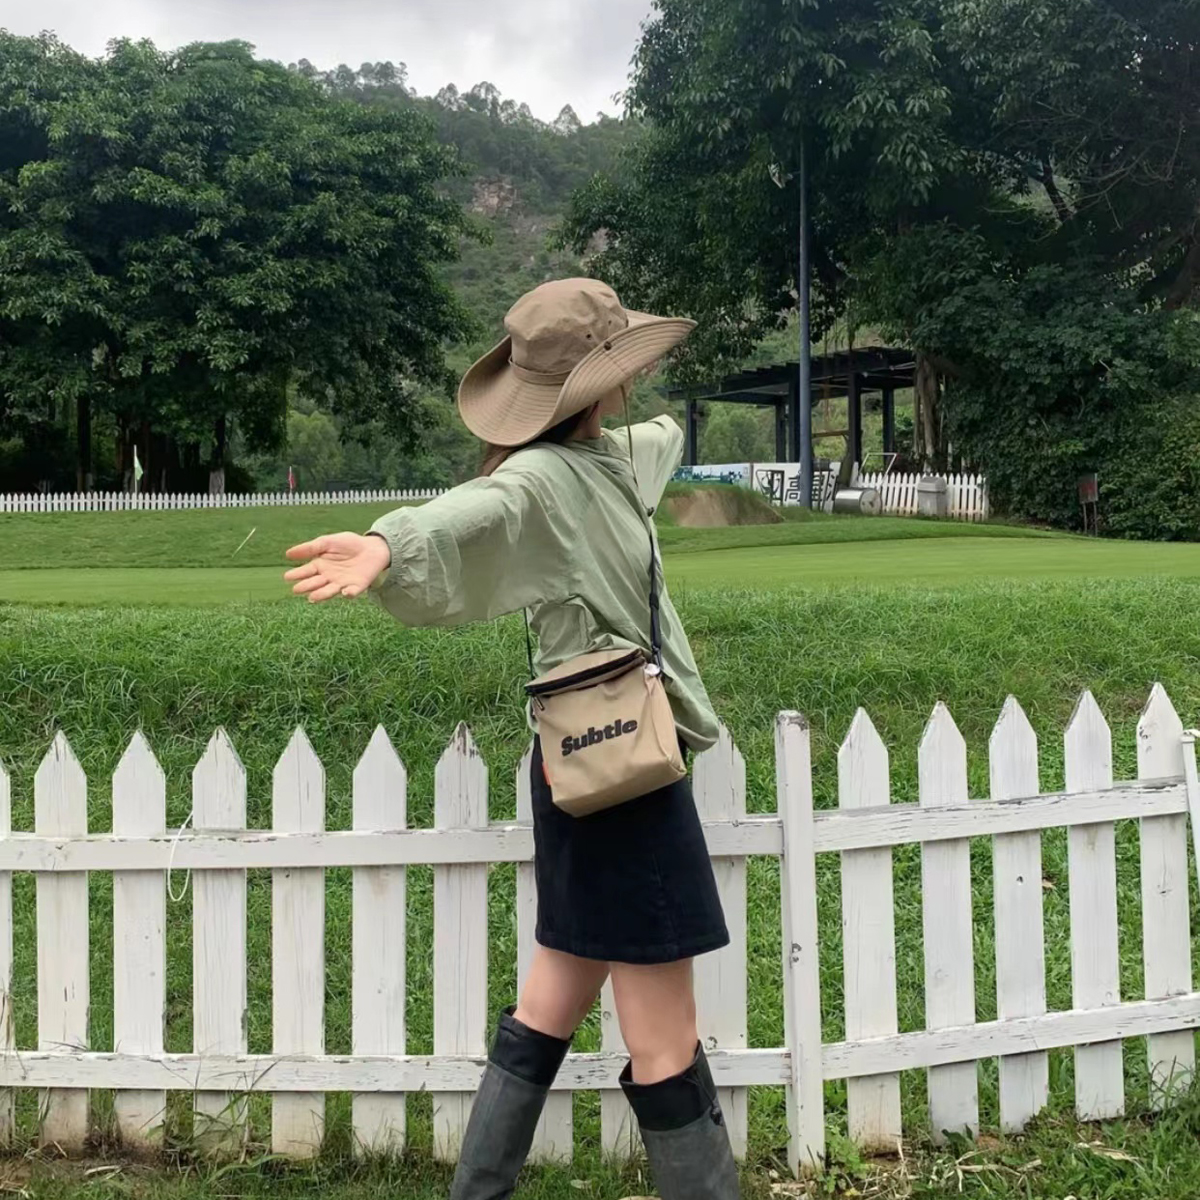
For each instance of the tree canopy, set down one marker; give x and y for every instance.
(1009, 186)
(184, 236)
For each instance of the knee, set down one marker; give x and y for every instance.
(659, 1049)
(557, 1016)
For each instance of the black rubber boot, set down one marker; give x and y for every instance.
(685, 1135)
(507, 1108)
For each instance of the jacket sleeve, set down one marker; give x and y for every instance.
(490, 547)
(657, 453)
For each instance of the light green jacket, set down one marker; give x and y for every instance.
(554, 530)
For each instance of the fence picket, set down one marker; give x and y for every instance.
(720, 789)
(139, 940)
(801, 957)
(1166, 935)
(219, 941)
(379, 922)
(1020, 936)
(64, 995)
(1095, 961)
(868, 938)
(946, 907)
(460, 935)
(7, 1038)
(554, 1139)
(619, 1136)
(298, 948)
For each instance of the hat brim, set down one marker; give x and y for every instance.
(501, 408)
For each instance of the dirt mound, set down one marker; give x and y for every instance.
(718, 506)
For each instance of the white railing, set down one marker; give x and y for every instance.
(379, 1072)
(40, 502)
(966, 495)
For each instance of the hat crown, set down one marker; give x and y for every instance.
(557, 325)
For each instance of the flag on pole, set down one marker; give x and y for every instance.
(137, 470)
(291, 479)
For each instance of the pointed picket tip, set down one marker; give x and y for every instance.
(380, 786)
(1012, 725)
(862, 732)
(59, 763)
(60, 790)
(863, 766)
(381, 755)
(1088, 716)
(942, 761)
(137, 760)
(1013, 754)
(299, 754)
(1159, 712)
(1159, 737)
(220, 753)
(941, 733)
(460, 783)
(219, 786)
(1087, 747)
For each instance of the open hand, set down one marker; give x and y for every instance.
(338, 564)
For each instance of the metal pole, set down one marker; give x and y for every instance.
(805, 396)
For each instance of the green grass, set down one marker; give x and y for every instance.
(210, 538)
(985, 617)
(930, 562)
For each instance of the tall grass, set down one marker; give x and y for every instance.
(260, 671)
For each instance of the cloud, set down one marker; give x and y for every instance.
(547, 53)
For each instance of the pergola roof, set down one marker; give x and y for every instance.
(878, 368)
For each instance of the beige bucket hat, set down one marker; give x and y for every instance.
(570, 344)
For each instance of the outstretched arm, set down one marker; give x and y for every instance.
(490, 547)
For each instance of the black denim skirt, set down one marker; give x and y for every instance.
(631, 884)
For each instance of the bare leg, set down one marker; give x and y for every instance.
(559, 992)
(656, 1006)
(670, 1086)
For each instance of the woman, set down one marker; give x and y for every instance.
(556, 526)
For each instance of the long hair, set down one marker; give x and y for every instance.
(494, 456)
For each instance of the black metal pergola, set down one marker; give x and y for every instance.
(849, 373)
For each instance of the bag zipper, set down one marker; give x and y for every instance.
(601, 671)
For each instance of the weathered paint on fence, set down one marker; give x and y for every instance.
(863, 829)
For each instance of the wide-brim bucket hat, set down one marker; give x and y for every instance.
(570, 344)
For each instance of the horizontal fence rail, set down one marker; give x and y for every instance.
(43, 502)
(864, 829)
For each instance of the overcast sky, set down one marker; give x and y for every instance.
(545, 52)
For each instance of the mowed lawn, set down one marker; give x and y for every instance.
(937, 612)
(200, 558)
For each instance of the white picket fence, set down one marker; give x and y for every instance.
(379, 1072)
(966, 495)
(40, 502)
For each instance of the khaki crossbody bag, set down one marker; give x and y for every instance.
(605, 721)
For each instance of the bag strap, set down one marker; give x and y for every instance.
(655, 607)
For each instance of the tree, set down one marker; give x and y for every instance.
(1023, 149)
(184, 236)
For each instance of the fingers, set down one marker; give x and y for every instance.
(313, 583)
(312, 549)
(305, 572)
(328, 592)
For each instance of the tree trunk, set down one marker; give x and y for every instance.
(124, 463)
(146, 456)
(83, 444)
(927, 414)
(216, 470)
